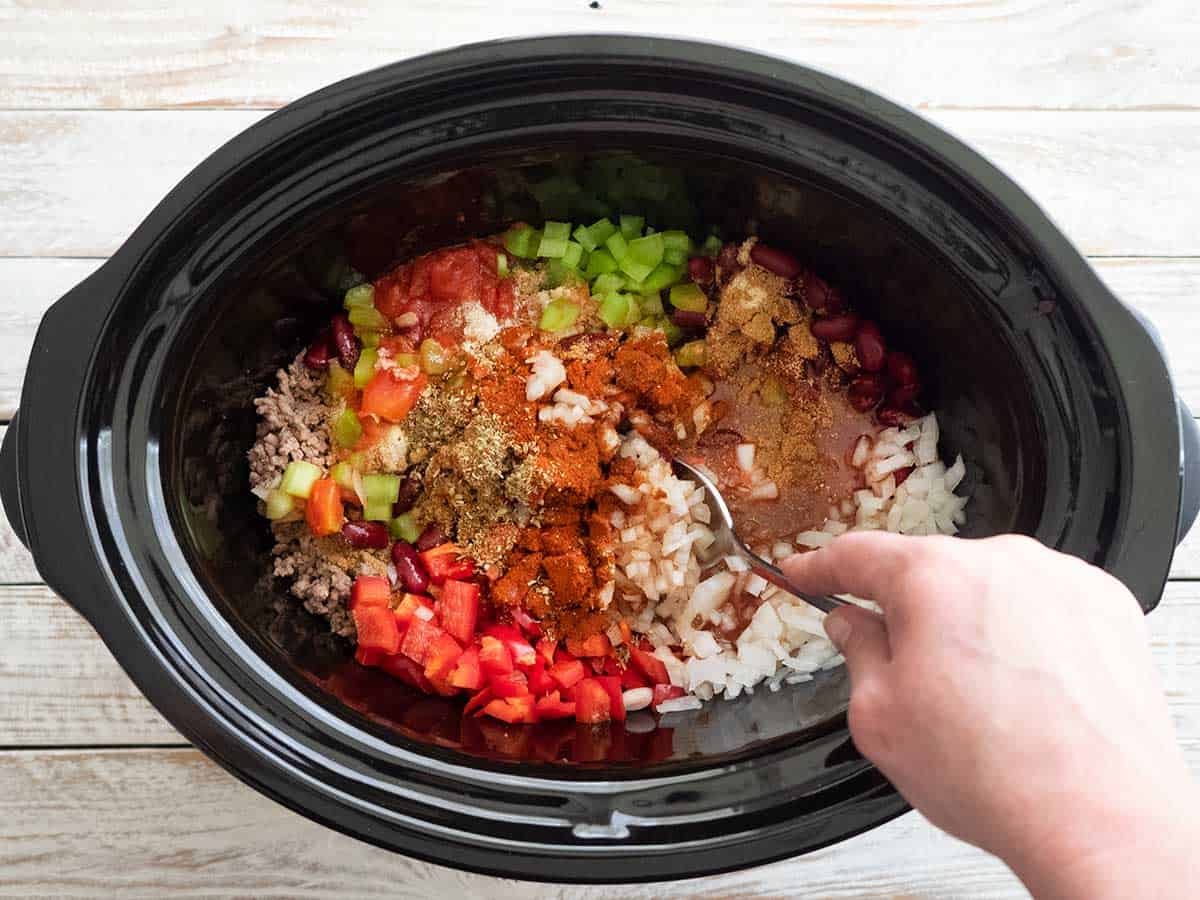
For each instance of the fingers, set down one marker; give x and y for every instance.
(867, 564)
(861, 636)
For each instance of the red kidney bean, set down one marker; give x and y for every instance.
(868, 343)
(865, 391)
(688, 318)
(897, 416)
(321, 351)
(902, 475)
(903, 395)
(701, 269)
(410, 490)
(431, 537)
(902, 368)
(409, 568)
(366, 535)
(344, 340)
(782, 264)
(835, 328)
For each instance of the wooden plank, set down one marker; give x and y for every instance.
(63, 196)
(1104, 54)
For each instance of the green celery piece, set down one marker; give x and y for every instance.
(404, 360)
(559, 315)
(368, 317)
(617, 246)
(693, 353)
(631, 226)
(677, 240)
(608, 283)
(343, 474)
(712, 245)
(404, 528)
(573, 254)
(557, 231)
(614, 310)
(347, 429)
(634, 312)
(552, 248)
(502, 265)
(601, 230)
(279, 504)
(364, 371)
(360, 295)
(299, 477)
(674, 257)
(583, 235)
(689, 297)
(377, 512)
(338, 382)
(558, 273)
(663, 276)
(522, 242)
(635, 270)
(651, 303)
(381, 488)
(673, 332)
(647, 251)
(600, 262)
(369, 338)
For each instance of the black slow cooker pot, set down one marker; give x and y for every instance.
(124, 470)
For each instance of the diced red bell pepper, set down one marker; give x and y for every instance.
(666, 692)
(540, 681)
(631, 678)
(400, 666)
(513, 684)
(370, 590)
(612, 684)
(568, 672)
(495, 657)
(324, 511)
(513, 709)
(441, 659)
(528, 624)
(407, 610)
(458, 608)
(551, 706)
(377, 628)
(390, 396)
(446, 561)
(593, 645)
(478, 701)
(652, 667)
(545, 648)
(368, 656)
(468, 674)
(419, 640)
(522, 651)
(593, 704)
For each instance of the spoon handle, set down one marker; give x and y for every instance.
(773, 574)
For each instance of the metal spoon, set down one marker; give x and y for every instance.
(728, 543)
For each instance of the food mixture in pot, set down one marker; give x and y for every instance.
(468, 472)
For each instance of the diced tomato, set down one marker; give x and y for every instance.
(368, 656)
(546, 648)
(540, 681)
(458, 608)
(419, 640)
(665, 692)
(324, 511)
(400, 666)
(377, 629)
(551, 706)
(513, 709)
(593, 704)
(513, 684)
(631, 678)
(446, 561)
(370, 590)
(409, 604)
(494, 657)
(612, 684)
(594, 645)
(390, 396)
(468, 673)
(441, 658)
(567, 673)
(522, 651)
(652, 667)
(478, 701)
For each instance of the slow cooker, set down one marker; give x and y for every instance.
(124, 470)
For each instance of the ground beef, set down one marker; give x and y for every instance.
(293, 425)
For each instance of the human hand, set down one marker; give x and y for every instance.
(1011, 698)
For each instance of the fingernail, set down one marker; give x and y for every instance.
(838, 630)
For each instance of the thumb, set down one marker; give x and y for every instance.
(861, 636)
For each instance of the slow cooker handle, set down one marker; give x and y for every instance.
(10, 494)
(1190, 470)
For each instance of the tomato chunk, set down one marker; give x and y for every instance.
(377, 629)
(551, 706)
(370, 590)
(651, 666)
(419, 640)
(592, 702)
(324, 511)
(446, 561)
(468, 673)
(458, 608)
(390, 396)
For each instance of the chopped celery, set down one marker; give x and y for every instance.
(648, 251)
(558, 315)
(279, 504)
(636, 270)
(405, 360)
(404, 528)
(377, 512)
(368, 317)
(663, 276)
(693, 353)
(689, 297)
(381, 489)
(338, 382)
(583, 235)
(601, 230)
(347, 429)
(573, 254)
(631, 226)
(614, 310)
(360, 295)
(674, 257)
(712, 245)
(555, 237)
(651, 303)
(343, 474)
(634, 312)
(600, 262)
(608, 283)
(365, 370)
(617, 246)
(677, 240)
(557, 231)
(522, 242)
(502, 265)
(299, 477)
(673, 332)
(434, 360)
(559, 273)
(369, 338)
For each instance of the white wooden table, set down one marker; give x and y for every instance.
(1093, 105)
